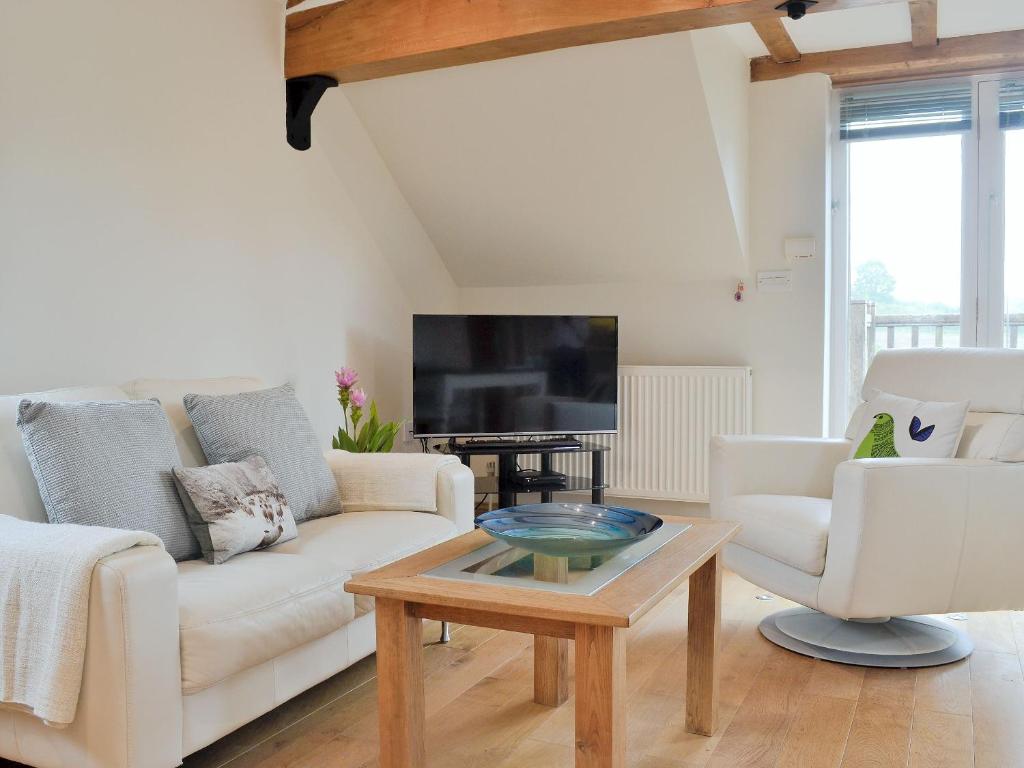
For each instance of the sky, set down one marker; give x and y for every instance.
(906, 203)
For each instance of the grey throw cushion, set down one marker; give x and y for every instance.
(269, 423)
(234, 508)
(110, 464)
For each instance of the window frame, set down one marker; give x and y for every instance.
(982, 238)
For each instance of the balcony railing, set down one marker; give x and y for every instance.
(870, 332)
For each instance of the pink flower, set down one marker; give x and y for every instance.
(358, 398)
(346, 377)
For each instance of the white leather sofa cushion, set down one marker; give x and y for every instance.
(170, 393)
(361, 541)
(253, 608)
(18, 487)
(992, 379)
(993, 437)
(790, 529)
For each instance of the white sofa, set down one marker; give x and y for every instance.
(180, 654)
(863, 541)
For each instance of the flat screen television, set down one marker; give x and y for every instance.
(495, 375)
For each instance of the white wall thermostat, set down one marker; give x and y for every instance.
(775, 282)
(800, 249)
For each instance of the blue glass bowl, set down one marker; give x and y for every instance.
(567, 530)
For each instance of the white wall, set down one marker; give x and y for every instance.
(781, 335)
(154, 222)
(725, 72)
(598, 160)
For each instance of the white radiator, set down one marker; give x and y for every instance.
(667, 416)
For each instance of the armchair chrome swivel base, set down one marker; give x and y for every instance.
(903, 642)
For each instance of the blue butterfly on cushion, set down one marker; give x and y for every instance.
(918, 434)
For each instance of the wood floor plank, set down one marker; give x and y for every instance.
(940, 740)
(840, 681)
(945, 689)
(817, 737)
(879, 736)
(992, 632)
(889, 687)
(756, 734)
(997, 698)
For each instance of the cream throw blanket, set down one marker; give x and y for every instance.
(45, 576)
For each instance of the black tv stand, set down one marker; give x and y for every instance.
(507, 451)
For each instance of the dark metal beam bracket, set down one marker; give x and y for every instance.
(302, 94)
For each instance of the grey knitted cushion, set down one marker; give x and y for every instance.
(108, 463)
(269, 423)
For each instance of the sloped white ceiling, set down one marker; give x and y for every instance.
(605, 163)
(882, 24)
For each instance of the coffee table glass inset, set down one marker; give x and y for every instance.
(595, 616)
(500, 564)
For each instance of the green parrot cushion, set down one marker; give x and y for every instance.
(889, 426)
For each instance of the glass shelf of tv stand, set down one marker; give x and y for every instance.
(573, 484)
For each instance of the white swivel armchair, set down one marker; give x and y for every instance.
(872, 546)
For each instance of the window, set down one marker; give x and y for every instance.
(924, 254)
(1011, 134)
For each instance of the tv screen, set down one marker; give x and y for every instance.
(477, 375)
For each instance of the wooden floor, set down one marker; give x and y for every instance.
(778, 709)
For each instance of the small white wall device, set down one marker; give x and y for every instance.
(775, 282)
(800, 249)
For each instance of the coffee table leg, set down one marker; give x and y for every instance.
(550, 654)
(600, 697)
(703, 638)
(400, 685)
(550, 670)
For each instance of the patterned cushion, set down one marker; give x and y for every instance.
(234, 508)
(269, 423)
(890, 426)
(108, 463)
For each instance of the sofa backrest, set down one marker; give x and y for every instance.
(171, 392)
(991, 379)
(19, 494)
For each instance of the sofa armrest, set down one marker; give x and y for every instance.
(129, 710)
(913, 536)
(456, 487)
(785, 466)
(420, 482)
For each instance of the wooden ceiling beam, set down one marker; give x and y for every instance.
(366, 39)
(775, 37)
(976, 54)
(924, 23)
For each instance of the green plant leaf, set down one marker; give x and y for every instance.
(365, 433)
(391, 430)
(343, 441)
(379, 439)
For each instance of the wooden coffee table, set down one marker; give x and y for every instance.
(474, 580)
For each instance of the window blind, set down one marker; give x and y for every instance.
(900, 113)
(1011, 105)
